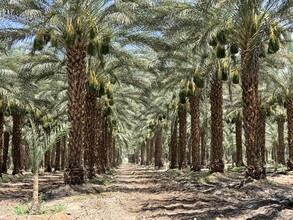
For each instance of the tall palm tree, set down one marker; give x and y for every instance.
(281, 76)
(174, 144)
(159, 148)
(1, 136)
(217, 151)
(78, 27)
(281, 140)
(194, 101)
(182, 120)
(249, 28)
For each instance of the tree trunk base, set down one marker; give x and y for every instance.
(74, 175)
(240, 164)
(217, 166)
(196, 167)
(91, 173)
(290, 165)
(48, 169)
(17, 171)
(172, 166)
(255, 172)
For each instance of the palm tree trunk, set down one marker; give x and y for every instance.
(289, 107)
(239, 154)
(281, 140)
(26, 158)
(203, 146)
(58, 155)
(1, 140)
(99, 161)
(159, 149)
(53, 157)
(275, 152)
(182, 138)
(5, 152)
(217, 151)
(48, 167)
(189, 151)
(16, 139)
(35, 206)
(174, 144)
(90, 139)
(63, 154)
(108, 147)
(148, 153)
(142, 153)
(152, 150)
(115, 153)
(261, 134)
(76, 72)
(195, 129)
(249, 79)
(104, 147)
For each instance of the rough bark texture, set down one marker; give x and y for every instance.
(90, 140)
(110, 148)
(281, 140)
(182, 138)
(249, 79)
(48, 167)
(148, 153)
(203, 146)
(174, 144)
(104, 148)
(189, 150)
(58, 156)
(99, 162)
(152, 149)
(16, 139)
(261, 137)
(76, 72)
(289, 106)
(159, 148)
(1, 140)
(239, 154)
(195, 129)
(64, 153)
(115, 153)
(142, 154)
(5, 151)
(217, 151)
(53, 157)
(26, 158)
(275, 152)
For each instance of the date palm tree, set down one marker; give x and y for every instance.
(282, 79)
(78, 27)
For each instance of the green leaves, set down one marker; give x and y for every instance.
(39, 142)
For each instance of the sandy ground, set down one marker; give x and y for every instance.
(138, 193)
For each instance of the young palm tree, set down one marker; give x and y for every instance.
(39, 144)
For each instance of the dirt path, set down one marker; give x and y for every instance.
(138, 193)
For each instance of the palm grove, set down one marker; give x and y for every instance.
(148, 80)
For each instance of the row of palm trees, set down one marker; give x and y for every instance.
(188, 51)
(247, 31)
